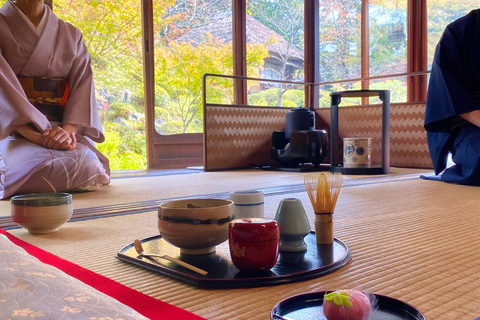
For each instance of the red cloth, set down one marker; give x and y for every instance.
(146, 305)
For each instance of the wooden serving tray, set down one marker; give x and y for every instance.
(315, 262)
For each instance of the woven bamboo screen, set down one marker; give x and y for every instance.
(239, 137)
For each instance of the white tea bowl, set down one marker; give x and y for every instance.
(41, 213)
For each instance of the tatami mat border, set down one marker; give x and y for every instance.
(151, 205)
(125, 174)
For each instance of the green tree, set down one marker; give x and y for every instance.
(440, 14)
(184, 15)
(339, 30)
(285, 17)
(178, 76)
(112, 33)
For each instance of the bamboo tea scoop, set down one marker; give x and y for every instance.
(139, 249)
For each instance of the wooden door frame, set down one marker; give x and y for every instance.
(163, 151)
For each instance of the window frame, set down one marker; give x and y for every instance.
(181, 150)
(161, 149)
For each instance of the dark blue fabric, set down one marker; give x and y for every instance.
(436, 178)
(454, 89)
(466, 156)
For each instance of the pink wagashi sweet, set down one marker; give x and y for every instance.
(346, 305)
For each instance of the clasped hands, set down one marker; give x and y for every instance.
(59, 138)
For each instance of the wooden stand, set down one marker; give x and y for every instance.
(336, 165)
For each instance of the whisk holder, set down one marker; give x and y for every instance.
(324, 228)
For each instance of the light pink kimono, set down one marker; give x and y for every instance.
(59, 52)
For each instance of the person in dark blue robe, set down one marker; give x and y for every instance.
(452, 115)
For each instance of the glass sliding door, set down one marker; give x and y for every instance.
(388, 46)
(191, 38)
(339, 46)
(275, 42)
(112, 32)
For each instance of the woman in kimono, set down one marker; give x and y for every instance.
(452, 116)
(46, 146)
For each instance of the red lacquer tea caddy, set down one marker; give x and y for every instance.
(254, 243)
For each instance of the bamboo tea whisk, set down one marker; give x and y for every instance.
(323, 189)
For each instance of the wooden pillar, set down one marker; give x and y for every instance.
(311, 52)
(417, 49)
(365, 48)
(149, 78)
(239, 38)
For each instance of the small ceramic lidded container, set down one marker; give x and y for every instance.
(41, 213)
(248, 203)
(294, 225)
(254, 243)
(357, 152)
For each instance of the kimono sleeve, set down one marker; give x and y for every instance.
(15, 109)
(81, 107)
(454, 75)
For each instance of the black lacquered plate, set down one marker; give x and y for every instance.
(316, 261)
(309, 306)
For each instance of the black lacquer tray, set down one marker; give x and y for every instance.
(316, 261)
(309, 306)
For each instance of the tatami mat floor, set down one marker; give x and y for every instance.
(139, 191)
(411, 239)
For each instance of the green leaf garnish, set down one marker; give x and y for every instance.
(338, 298)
